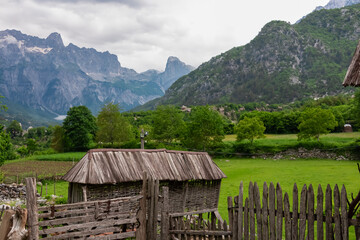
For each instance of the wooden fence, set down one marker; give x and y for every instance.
(118, 218)
(270, 217)
(266, 216)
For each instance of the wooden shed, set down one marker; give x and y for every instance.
(192, 177)
(352, 77)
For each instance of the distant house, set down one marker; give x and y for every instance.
(352, 77)
(185, 108)
(192, 177)
(348, 128)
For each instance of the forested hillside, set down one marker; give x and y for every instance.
(282, 64)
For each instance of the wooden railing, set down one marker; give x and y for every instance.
(118, 218)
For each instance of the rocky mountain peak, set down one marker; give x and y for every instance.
(55, 40)
(174, 70)
(174, 65)
(332, 4)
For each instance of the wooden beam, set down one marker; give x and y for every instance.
(31, 205)
(165, 215)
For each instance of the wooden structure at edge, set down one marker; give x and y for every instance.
(352, 77)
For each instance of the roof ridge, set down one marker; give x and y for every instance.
(142, 150)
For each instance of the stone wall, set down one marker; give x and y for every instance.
(12, 191)
(313, 153)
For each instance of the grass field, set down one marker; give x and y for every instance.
(286, 172)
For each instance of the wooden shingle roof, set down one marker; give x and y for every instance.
(101, 166)
(352, 77)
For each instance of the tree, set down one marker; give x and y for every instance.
(167, 124)
(79, 128)
(205, 128)
(315, 121)
(6, 150)
(112, 126)
(356, 108)
(58, 142)
(37, 133)
(249, 128)
(14, 129)
(31, 145)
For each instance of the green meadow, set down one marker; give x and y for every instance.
(286, 172)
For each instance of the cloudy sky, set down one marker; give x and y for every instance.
(143, 33)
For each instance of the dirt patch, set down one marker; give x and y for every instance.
(17, 171)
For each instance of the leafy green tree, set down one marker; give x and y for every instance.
(167, 124)
(339, 118)
(31, 145)
(112, 126)
(37, 133)
(6, 149)
(23, 151)
(250, 129)
(14, 129)
(204, 129)
(79, 128)
(58, 142)
(356, 108)
(316, 121)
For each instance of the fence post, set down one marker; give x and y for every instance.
(55, 184)
(156, 209)
(165, 215)
(344, 214)
(150, 208)
(31, 205)
(141, 232)
(230, 212)
(357, 228)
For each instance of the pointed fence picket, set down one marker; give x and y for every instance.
(277, 219)
(271, 216)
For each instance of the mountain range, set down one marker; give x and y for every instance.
(41, 78)
(332, 4)
(45, 78)
(283, 63)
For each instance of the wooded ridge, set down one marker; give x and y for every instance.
(283, 63)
